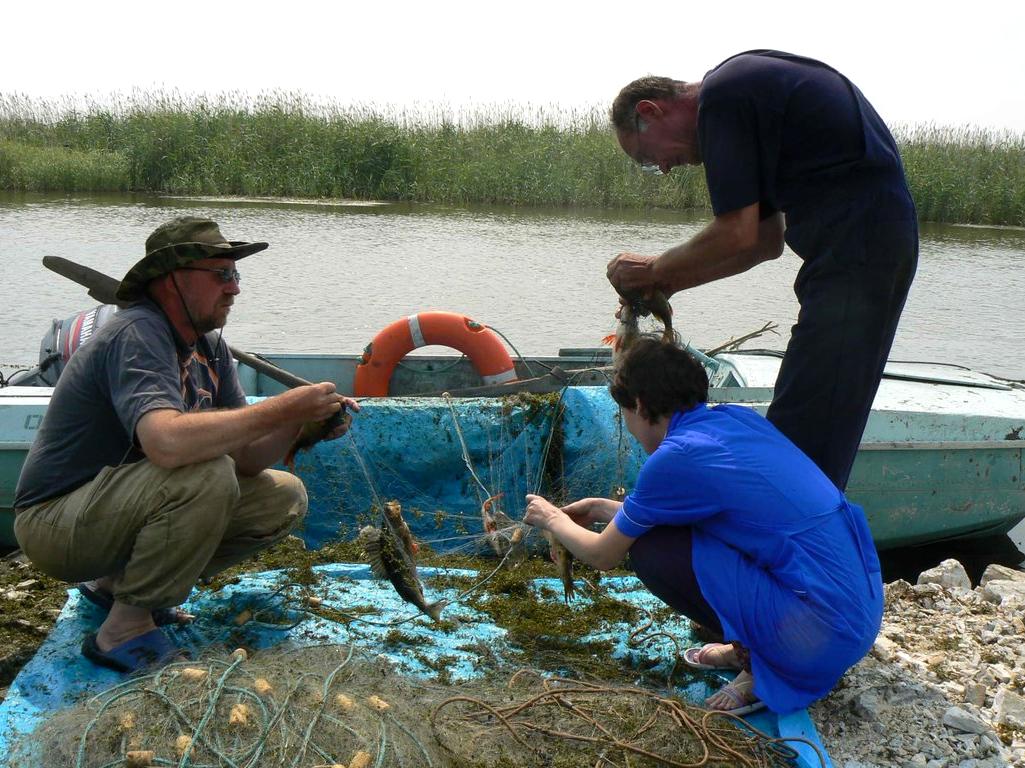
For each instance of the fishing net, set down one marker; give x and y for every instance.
(456, 465)
(460, 471)
(334, 705)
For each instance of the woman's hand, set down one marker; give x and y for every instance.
(540, 512)
(600, 550)
(592, 510)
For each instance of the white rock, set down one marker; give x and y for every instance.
(950, 574)
(975, 693)
(1001, 673)
(963, 721)
(884, 648)
(996, 572)
(1009, 708)
(953, 690)
(1005, 593)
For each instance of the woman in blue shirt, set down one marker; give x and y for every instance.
(730, 524)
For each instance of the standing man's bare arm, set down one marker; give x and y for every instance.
(730, 244)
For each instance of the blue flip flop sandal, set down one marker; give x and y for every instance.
(162, 617)
(142, 652)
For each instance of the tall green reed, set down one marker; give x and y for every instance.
(287, 144)
(965, 174)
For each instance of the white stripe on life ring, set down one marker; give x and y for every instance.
(501, 378)
(415, 332)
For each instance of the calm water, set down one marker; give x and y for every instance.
(335, 275)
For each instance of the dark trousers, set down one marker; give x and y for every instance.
(852, 289)
(661, 558)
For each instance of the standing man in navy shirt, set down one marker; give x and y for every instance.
(792, 152)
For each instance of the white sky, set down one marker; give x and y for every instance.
(917, 62)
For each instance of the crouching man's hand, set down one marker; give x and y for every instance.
(340, 422)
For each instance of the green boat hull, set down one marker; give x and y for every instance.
(940, 459)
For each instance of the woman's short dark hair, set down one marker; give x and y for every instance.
(664, 377)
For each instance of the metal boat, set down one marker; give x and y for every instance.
(941, 457)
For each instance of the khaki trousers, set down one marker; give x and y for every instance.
(158, 531)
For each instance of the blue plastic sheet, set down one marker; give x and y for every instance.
(411, 449)
(58, 675)
(598, 452)
(420, 451)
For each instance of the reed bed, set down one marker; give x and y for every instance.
(965, 174)
(289, 145)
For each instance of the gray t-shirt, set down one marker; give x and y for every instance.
(134, 364)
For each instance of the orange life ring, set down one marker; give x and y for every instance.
(475, 340)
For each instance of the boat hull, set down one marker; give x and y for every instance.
(939, 460)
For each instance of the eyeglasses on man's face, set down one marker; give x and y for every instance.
(647, 166)
(224, 274)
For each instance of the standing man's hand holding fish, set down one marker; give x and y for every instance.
(599, 550)
(632, 273)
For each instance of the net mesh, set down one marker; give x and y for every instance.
(335, 705)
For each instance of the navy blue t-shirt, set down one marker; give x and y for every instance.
(132, 365)
(796, 136)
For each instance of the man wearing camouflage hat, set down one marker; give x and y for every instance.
(149, 471)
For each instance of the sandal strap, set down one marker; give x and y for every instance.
(703, 650)
(736, 696)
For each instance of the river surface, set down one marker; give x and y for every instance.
(336, 274)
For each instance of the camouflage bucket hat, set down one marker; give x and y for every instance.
(176, 244)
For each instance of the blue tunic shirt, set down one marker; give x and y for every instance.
(785, 561)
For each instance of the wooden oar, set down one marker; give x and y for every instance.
(103, 288)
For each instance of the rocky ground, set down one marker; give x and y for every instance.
(944, 686)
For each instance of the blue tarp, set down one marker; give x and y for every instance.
(598, 452)
(410, 449)
(58, 675)
(440, 459)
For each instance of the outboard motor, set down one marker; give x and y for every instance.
(59, 344)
